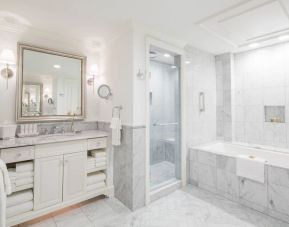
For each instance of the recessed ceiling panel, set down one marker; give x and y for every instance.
(249, 21)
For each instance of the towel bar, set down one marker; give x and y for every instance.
(119, 108)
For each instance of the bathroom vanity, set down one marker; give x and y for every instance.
(60, 169)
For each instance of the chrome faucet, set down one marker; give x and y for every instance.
(72, 124)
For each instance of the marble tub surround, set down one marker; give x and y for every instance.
(216, 172)
(186, 208)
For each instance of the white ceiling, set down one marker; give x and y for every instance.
(193, 22)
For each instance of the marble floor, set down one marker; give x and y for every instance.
(187, 207)
(162, 172)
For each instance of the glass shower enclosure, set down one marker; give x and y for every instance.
(165, 155)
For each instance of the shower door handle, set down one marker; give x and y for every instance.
(202, 102)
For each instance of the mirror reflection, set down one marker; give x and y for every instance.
(51, 84)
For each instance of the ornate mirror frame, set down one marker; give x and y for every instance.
(19, 118)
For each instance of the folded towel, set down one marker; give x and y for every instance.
(24, 167)
(251, 167)
(15, 189)
(19, 198)
(100, 164)
(12, 172)
(24, 181)
(25, 175)
(98, 154)
(97, 160)
(95, 186)
(90, 159)
(116, 127)
(95, 178)
(5, 189)
(19, 209)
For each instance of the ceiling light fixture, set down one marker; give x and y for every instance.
(167, 55)
(173, 66)
(283, 37)
(254, 45)
(188, 62)
(57, 66)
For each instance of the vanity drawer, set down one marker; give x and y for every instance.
(53, 149)
(17, 154)
(96, 143)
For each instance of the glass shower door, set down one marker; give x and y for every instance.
(165, 157)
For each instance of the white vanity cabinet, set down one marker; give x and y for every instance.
(60, 177)
(48, 181)
(74, 175)
(60, 171)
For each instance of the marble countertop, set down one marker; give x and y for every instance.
(29, 141)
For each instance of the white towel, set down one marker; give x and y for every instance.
(98, 154)
(24, 167)
(95, 186)
(100, 164)
(116, 127)
(14, 188)
(24, 181)
(12, 172)
(19, 209)
(251, 167)
(24, 175)
(19, 198)
(97, 160)
(95, 178)
(5, 189)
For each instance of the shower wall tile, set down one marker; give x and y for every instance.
(224, 96)
(261, 78)
(200, 76)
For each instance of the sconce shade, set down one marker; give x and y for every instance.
(94, 69)
(7, 57)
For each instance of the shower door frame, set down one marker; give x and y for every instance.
(150, 41)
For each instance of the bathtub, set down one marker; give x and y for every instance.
(213, 168)
(274, 157)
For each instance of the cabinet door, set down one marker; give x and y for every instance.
(48, 181)
(74, 182)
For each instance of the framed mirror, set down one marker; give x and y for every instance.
(50, 85)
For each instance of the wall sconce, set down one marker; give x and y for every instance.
(94, 72)
(7, 58)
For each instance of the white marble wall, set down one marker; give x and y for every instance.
(129, 166)
(224, 96)
(200, 76)
(261, 78)
(217, 174)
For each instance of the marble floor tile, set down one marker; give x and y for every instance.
(162, 172)
(187, 207)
